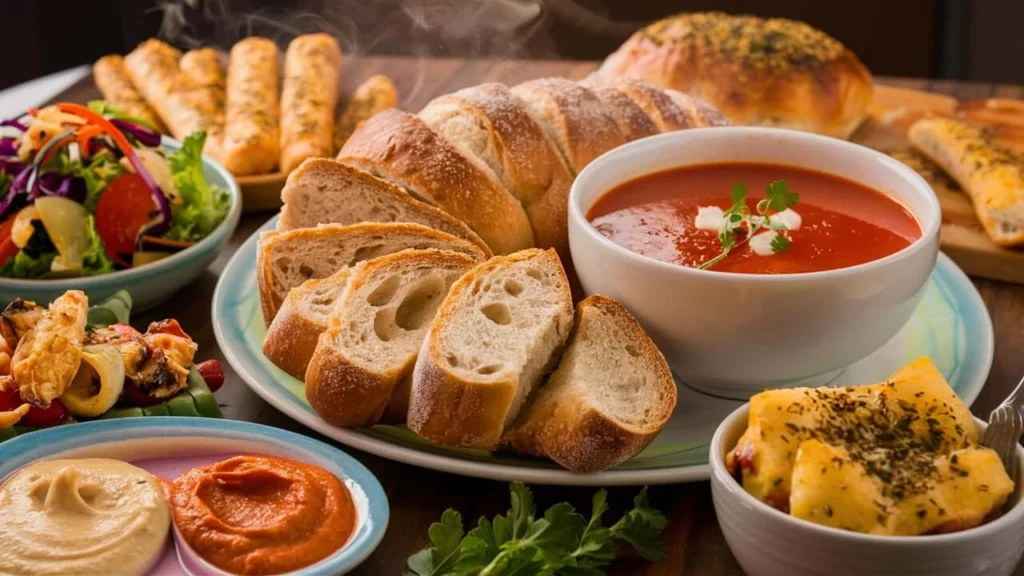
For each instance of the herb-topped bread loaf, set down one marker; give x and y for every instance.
(772, 72)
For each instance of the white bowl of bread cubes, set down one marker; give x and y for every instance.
(420, 278)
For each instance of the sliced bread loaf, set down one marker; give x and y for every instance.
(611, 394)
(287, 259)
(489, 123)
(653, 100)
(363, 363)
(399, 147)
(633, 122)
(324, 191)
(292, 335)
(497, 333)
(573, 117)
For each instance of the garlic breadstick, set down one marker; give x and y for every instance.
(251, 136)
(113, 82)
(376, 94)
(312, 72)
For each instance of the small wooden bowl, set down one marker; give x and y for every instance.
(261, 192)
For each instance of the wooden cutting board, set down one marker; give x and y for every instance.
(893, 110)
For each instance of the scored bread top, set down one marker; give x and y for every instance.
(652, 100)
(496, 334)
(633, 122)
(704, 114)
(573, 117)
(491, 124)
(287, 259)
(610, 395)
(324, 191)
(399, 147)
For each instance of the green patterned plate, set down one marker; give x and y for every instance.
(951, 325)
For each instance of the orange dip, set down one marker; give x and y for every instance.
(262, 515)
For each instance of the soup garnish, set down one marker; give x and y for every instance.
(737, 225)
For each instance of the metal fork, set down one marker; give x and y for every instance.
(1005, 425)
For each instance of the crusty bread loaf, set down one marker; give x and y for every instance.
(573, 117)
(363, 363)
(497, 333)
(774, 71)
(325, 191)
(293, 334)
(399, 147)
(991, 175)
(633, 122)
(611, 394)
(658, 106)
(287, 259)
(490, 124)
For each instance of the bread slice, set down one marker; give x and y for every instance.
(490, 124)
(611, 394)
(399, 147)
(363, 363)
(287, 259)
(992, 176)
(573, 117)
(324, 191)
(497, 333)
(704, 114)
(633, 122)
(658, 106)
(293, 334)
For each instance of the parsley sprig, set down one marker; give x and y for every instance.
(562, 543)
(739, 225)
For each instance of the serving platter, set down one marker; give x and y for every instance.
(951, 325)
(168, 446)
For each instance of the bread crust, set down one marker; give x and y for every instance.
(399, 147)
(524, 159)
(348, 393)
(578, 435)
(573, 117)
(292, 336)
(633, 122)
(661, 109)
(992, 176)
(756, 71)
(450, 410)
(312, 170)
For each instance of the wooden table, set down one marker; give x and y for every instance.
(694, 542)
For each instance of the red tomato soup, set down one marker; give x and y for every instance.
(843, 223)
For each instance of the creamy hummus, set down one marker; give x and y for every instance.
(89, 516)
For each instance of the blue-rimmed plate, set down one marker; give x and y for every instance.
(951, 325)
(167, 446)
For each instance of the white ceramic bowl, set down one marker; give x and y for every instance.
(767, 542)
(737, 334)
(153, 283)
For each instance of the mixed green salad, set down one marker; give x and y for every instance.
(87, 190)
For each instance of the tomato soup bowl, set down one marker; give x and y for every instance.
(735, 334)
(768, 542)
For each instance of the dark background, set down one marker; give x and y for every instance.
(962, 39)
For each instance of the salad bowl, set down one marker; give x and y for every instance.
(152, 283)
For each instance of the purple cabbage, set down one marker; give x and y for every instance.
(16, 189)
(12, 167)
(142, 135)
(54, 184)
(16, 123)
(8, 146)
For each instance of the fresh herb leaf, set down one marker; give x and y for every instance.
(562, 543)
(642, 527)
(739, 225)
(779, 197)
(442, 557)
(780, 243)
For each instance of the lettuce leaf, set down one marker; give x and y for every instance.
(101, 170)
(203, 206)
(25, 266)
(108, 110)
(96, 260)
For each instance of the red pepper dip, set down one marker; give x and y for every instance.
(262, 515)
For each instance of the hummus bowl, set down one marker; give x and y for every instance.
(168, 446)
(734, 334)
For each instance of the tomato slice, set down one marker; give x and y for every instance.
(124, 208)
(8, 249)
(36, 416)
